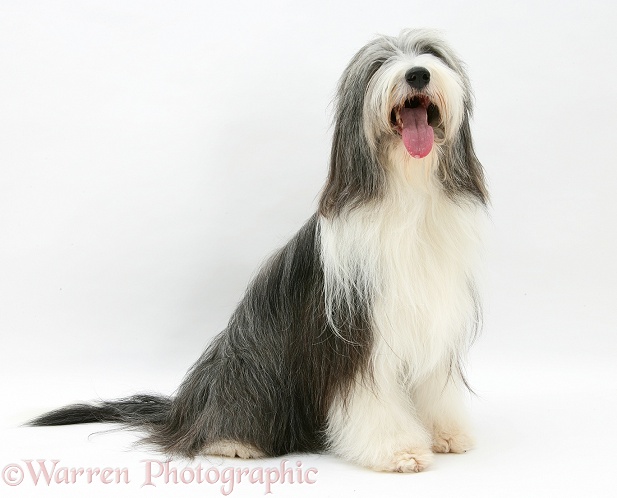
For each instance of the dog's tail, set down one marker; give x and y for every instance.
(135, 411)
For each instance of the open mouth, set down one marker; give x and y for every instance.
(414, 120)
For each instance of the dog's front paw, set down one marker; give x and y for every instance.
(414, 460)
(445, 442)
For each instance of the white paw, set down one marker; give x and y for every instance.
(445, 442)
(408, 461)
(232, 449)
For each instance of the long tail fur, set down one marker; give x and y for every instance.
(135, 411)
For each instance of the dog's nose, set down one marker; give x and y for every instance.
(418, 77)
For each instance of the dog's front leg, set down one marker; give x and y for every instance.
(439, 401)
(376, 426)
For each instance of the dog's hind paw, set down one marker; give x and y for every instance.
(232, 449)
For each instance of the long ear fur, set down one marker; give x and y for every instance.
(460, 169)
(355, 176)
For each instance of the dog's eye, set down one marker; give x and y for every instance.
(432, 51)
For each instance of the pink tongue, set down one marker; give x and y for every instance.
(417, 134)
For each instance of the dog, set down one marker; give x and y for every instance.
(351, 338)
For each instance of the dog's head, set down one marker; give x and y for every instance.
(410, 94)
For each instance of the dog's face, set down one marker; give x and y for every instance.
(416, 99)
(409, 93)
(418, 93)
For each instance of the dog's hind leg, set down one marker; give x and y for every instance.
(232, 449)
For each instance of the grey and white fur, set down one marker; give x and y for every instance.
(351, 337)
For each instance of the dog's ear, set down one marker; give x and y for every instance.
(461, 170)
(355, 176)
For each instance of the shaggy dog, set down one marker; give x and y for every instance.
(350, 338)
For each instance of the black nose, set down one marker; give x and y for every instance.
(418, 77)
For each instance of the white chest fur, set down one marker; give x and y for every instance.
(412, 256)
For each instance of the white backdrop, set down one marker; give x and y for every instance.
(153, 153)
